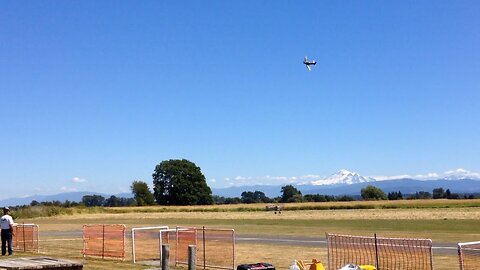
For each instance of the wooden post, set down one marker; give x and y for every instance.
(165, 257)
(103, 241)
(376, 252)
(192, 257)
(204, 249)
(24, 242)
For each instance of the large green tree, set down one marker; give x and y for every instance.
(291, 194)
(93, 200)
(180, 182)
(373, 193)
(142, 194)
(438, 193)
(254, 197)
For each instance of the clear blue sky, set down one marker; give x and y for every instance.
(94, 94)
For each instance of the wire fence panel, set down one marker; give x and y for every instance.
(344, 249)
(218, 249)
(404, 253)
(384, 253)
(26, 237)
(184, 238)
(146, 243)
(215, 247)
(93, 243)
(104, 240)
(469, 255)
(169, 237)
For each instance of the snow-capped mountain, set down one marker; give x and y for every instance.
(343, 177)
(461, 174)
(345, 182)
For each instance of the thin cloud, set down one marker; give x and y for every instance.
(462, 172)
(79, 180)
(311, 176)
(124, 190)
(428, 176)
(262, 180)
(392, 177)
(452, 174)
(68, 189)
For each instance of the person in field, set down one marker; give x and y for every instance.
(6, 223)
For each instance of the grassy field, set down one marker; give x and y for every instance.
(442, 221)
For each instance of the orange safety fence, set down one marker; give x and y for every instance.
(384, 253)
(104, 240)
(184, 238)
(215, 247)
(169, 237)
(469, 255)
(25, 238)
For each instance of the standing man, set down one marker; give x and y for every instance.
(6, 223)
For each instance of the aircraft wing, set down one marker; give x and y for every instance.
(308, 67)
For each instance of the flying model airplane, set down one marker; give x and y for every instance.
(308, 63)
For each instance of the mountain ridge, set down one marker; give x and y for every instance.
(406, 186)
(343, 182)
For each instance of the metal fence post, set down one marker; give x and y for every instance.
(192, 257)
(165, 257)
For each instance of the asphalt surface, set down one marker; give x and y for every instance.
(438, 248)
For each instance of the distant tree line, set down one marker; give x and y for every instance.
(181, 182)
(66, 203)
(289, 194)
(369, 193)
(89, 201)
(112, 201)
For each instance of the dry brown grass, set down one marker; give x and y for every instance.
(261, 206)
(348, 214)
(440, 224)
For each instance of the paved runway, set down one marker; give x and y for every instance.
(438, 248)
